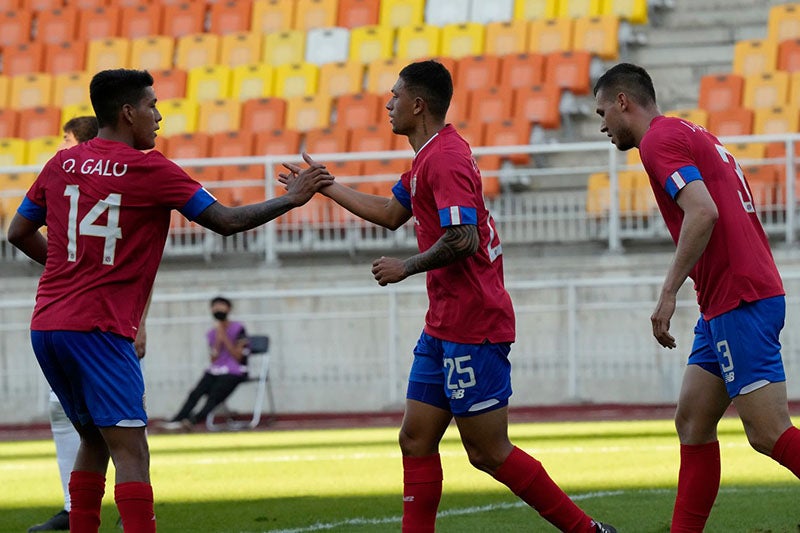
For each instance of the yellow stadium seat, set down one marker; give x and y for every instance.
(5, 91)
(71, 88)
(598, 35)
(327, 45)
(251, 81)
(299, 79)
(105, 54)
(370, 43)
(784, 22)
(415, 42)
(597, 194)
(504, 38)
(77, 110)
(793, 97)
(39, 150)
(459, 40)
(769, 89)
(535, 9)
(578, 8)
(240, 48)
(310, 14)
(743, 152)
(272, 16)
(754, 56)
(284, 48)
(337, 79)
(31, 90)
(550, 35)
(12, 152)
(634, 11)
(695, 116)
(643, 201)
(197, 50)
(19, 181)
(308, 112)
(784, 119)
(219, 115)
(153, 52)
(179, 116)
(382, 74)
(444, 12)
(399, 13)
(208, 83)
(633, 158)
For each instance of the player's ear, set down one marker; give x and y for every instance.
(127, 113)
(419, 105)
(622, 101)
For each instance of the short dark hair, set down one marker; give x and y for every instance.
(630, 79)
(83, 128)
(431, 81)
(112, 89)
(221, 300)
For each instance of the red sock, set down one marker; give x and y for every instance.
(86, 495)
(135, 503)
(698, 484)
(527, 478)
(787, 450)
(422, 490)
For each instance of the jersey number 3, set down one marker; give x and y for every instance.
(110, 232)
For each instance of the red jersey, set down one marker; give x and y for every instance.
(468, 302)
(737, 264)
(107, 210)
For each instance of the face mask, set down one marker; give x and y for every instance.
(220, 315)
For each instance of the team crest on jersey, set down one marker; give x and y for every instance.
(414, 185)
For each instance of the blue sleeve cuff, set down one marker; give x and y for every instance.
(457, 216)
(32, 211)
(197, 204)
(402, 194)
(678, 179)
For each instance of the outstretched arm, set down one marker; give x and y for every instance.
(24, 234)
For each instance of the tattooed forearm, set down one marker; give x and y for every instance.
(229, 220)
(456, 243)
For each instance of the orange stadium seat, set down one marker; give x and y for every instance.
(538, 104)
(185, 18)
(578, 8)
(98, 22)
(357, 110)
(325, 141)
(598, 35)
(399, 13)
(188, 146)
(179, 116)
(371, 138)
(764, 181)
(471, 131)
(506, 37)
(251, 81)
(789, 55)
(108, 53)
(229, 16)
(31, 90)
(7, 5)
(242, 172)
(535, 9)
(768, 89)
(15, 27)
(371, 43)
(232, 144)
(9, 122)
(719, 92)
(128, 3)
(240, 48)
(391, 168)
(327, 45)
(196, 50)
(83, 4)
(489, 104)
(569, 70)
(695, 116)
(23, 58)
(754, 56)
(337, 79)
(263, 114)
(39, 122)
(277, 142)
(299, 79)
(40, 150)
(272, 16)
(459, 105)
(730, 122)
(781, 119)
(208, 83)
(476, 72)
(783, 22)
(140, 20)
(41, 5)
(284, 48)
(206, 175)
(5, 91)
(56, 25)
(305, 113)
(550, 35)
(512, 132)
(217, 116)
(633, 11)
(169, 83)
(355, 13)
(416, 42)
(346, 170)
(521, 70)
(71, 88)
(152, 52)
(65, 57)
(382, 74)
(310, 14)
(461, 40)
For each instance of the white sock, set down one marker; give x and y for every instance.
(67, 442)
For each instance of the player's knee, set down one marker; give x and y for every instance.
(693, 430)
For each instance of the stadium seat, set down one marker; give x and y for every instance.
(23, 58)
(569, 70)
(169, 83)
(372, 138)
(754, 56)
(783, 22)
(371, 43)
(206, 175)
(461, 40)
(765, 182)
(40, 5)
(5, 91)
(598, 35)
(768, 89)
(789, 55)
(794, 89)
(284, 48)
(489, 104)
(76, 110)
(386, 168)
(39, 122)
(538, 104)
(229, 17)
(15, 27)
(355, 13)
(263, 114)
(40, 150)
(731, 122)
(185, 18)
(535, 9)
(521, 70)
(141, 20)
(695, 116)
(208, 83)
(382, 74)
(416, 42)
(217, 116)
(512, 132)
(325, 141)
(66, 57)
(504, 38)
(12, 152)
(598, 195)
(746, 152)
(240, 48)
(305, 113)
(400, 13)
(179, 116)
(98, 22)
(242, 172)
(444, 12)
(31, 90)
(471, 131)
(459, 105)
(277, 142)
(485, 12)
(719, 92)
(251, 81)
(20, 181)
(196, 50)
(310, 14)
(298, 79)
(641, 195)
(327, 45)
(357, 110)
(337, 79)
(781, 119)
(550, 35)
(346, 171)
(633, 11)
(578, 8)
(9, 121)
(56, 25)
(232, 144)
(476, 72)
(272, 16)
(71, 88)
(152, 52)
(188, 146)
(105, 54)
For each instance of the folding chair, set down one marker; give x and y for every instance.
(258, 345)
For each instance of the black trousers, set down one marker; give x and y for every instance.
(216, 389)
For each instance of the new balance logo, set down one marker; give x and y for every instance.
(457, 394)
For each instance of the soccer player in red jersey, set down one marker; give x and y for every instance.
(708, 208)
(107, 208)
(461, 368)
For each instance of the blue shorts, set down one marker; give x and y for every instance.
(742, 346)
(96, 376)
(465, 379)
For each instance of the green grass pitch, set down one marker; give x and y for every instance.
(350, 481)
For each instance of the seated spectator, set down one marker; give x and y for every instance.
(227, 342)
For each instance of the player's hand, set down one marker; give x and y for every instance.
(302, 183)
(660, 320)
(140, 342)
(389, 270)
